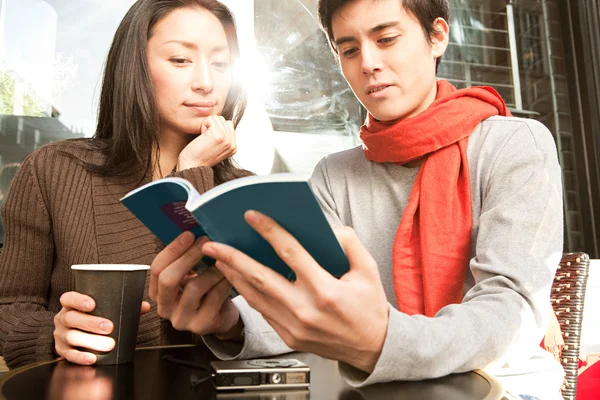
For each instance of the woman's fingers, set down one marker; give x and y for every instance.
(79, 357)
(87, 322)
(195, 289)
(145, 307)
(170, 279)
(210, 318)
(77, 301)
(77, 338)
(168, 255)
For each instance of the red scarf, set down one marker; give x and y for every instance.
(431, 248)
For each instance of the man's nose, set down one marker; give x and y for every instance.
(370, 60)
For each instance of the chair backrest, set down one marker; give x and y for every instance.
(567, 298)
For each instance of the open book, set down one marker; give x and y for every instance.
(171, 206)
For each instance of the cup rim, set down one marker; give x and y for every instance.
(110, 267)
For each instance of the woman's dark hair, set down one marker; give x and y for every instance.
(128, 127)
(426, 11)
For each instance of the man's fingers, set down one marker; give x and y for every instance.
(358, 255)
(172, 252)
(259, 290)
(288, 249)
(77, 301)
(248, 271)
(76, 338)
(87, 322)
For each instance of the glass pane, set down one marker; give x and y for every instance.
(51, 57)
(307, 92)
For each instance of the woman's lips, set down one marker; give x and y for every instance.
(204, 108)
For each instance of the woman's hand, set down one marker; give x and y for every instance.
(75, 330)
(215, 144)
(196, 303)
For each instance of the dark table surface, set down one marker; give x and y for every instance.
(151, 376)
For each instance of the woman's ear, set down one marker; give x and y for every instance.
(440, 37)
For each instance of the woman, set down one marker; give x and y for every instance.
(168, 106)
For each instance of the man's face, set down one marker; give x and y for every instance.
(386, 58)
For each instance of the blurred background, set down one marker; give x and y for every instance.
(541, 55)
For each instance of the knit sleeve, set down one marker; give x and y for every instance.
(201, 177)
(26, 325)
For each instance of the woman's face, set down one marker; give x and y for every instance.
(189, 63)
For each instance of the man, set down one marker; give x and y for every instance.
(456, 217)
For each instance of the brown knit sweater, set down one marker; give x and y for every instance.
(58, 214)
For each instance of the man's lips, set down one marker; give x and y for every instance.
(377, 88)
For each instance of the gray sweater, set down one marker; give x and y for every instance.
(516, 246)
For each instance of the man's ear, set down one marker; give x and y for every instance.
(440, 37)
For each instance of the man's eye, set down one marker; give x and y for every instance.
(387, 40)
(350, 52)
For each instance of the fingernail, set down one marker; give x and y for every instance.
(106, 327)
(200, 242)
(186, 238)
(90, 359)
(252, 216)
(209, 250)
(88, 305)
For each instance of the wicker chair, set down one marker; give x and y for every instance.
(567, 298)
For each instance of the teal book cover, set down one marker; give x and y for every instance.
(170, 206)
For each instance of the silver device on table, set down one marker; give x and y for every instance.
(260, 374)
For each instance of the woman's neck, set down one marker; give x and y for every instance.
(170, 145)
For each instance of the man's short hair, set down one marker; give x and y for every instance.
(426, 11)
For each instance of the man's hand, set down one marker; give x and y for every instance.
(343, 319)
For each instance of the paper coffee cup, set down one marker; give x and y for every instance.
(117, 290)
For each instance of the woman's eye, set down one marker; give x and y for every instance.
(221, 65)
(178, 60)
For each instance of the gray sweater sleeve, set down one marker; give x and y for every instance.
(516, 246)
(260, 339)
